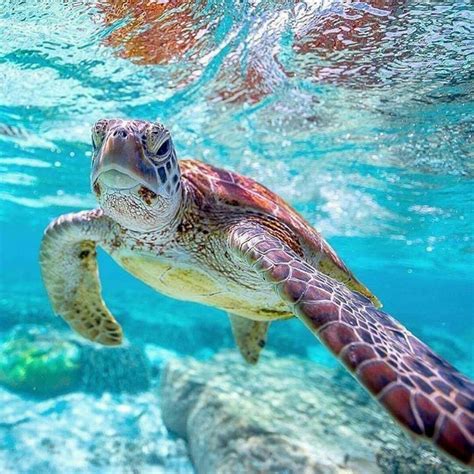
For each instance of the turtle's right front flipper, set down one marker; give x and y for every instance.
(424, 393)
(70, 274)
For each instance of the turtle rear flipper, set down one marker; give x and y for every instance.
(249, 335)
(424, 393)
(69, 269)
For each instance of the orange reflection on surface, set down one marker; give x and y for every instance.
(358, 32)
(162, 32)
(351, 27)
(159, 32)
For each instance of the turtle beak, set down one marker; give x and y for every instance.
(121, 163)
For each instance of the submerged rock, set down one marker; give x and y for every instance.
(284, 416)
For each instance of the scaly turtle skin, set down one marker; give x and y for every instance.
(199, 233)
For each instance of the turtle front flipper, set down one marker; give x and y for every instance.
(424, 393)
(70, 274)
(249, 335)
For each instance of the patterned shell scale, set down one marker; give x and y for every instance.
(236, 190)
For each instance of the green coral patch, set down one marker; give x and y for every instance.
(38, 363)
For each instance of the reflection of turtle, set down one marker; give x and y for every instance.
(203, 234)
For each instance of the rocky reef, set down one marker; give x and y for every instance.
(71, 406)
(286, 415)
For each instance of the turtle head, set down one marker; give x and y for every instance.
(135, 174)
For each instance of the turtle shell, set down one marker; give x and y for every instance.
(222, 187)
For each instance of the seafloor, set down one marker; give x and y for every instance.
(67, 406)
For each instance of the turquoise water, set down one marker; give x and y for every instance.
(360, 116)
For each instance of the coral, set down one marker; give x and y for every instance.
(37, 362)
(45, 362)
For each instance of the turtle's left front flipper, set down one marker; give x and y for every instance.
(424, 393)
(69, 269)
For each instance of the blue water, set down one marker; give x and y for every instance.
(359, 116)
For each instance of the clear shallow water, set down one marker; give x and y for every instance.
(360, 116)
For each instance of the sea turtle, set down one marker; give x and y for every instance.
(196, 232)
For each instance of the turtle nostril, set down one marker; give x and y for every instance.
(120, 132)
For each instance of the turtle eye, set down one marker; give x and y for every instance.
(96, 140)
(164, 148)
(155, 144)
(98, 133)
